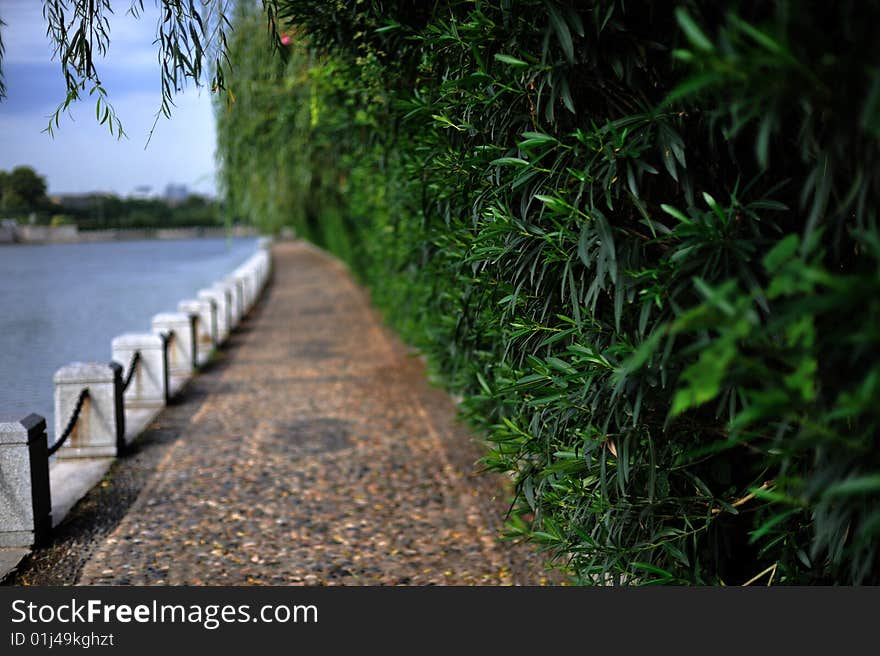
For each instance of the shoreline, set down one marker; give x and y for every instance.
(30, 235)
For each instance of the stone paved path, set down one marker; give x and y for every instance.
(319, 455)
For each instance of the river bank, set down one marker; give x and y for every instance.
(12, 233)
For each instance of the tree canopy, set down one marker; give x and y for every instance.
(22, 189)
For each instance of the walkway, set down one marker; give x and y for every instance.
(317, 454)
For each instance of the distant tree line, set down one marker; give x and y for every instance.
(23, 197)
(107, 211)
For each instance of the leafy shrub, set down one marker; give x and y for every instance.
(639, 238)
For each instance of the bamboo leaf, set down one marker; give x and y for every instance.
(563, 34)
(692, 31)
(510, 61)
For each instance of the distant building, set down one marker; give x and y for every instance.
(176, 193)
(141, 192)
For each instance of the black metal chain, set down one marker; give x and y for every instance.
(83, 395)
(131, 367)
(166, 339)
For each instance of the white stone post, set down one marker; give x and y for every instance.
(25, 502)
(228, 288)
(238, 309)
(243, 275)
(267, 263)
(253, 271)
(263, 264)
(181, 346)
(147, 387)
(217, 299)
(206, 325)
(263, 260)
(220, 298)
(225, 288)
(100, 429)
(243, 280)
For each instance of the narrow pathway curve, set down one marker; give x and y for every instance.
(319, 455)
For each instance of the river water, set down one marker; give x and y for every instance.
(63, 303)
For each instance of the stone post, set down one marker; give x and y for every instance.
(147, 388)
(238, 309)
(231, 310)
(220, 298)
(262, 264)
(100, 430)
(182, 346)
(253, 274)
(25, 502)
(242, 279)
(206, 326)
(267, 263)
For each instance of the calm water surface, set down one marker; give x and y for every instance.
(63, 303)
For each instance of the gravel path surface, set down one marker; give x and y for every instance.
(314, 453)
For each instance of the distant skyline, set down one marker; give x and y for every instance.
(83, 156)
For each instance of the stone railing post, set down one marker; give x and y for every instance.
(218, 296)
(253, 276)
(182, 346)
(229, 295)
(100, 430)
(262, 263)
(264, 259)
(238, 310)
(206, 324)
(147, 388)
(267, 262)
(242, 279)
(25, 501)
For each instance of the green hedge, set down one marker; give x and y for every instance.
(639, 238)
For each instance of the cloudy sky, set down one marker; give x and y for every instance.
(83, 156)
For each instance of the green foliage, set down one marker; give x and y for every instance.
(2, 52)
(640, 239)
(22, 190)
(108, 211)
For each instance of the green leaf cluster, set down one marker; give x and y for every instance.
(639, 239)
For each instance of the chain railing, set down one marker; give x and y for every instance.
(194, 323)
(135, 360)
(98, 399)
(167, 340)
(96, 426)
(83, 395)
(167, 337)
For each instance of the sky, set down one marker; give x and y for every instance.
(83, 156)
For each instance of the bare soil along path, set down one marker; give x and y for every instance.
(317, 453)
